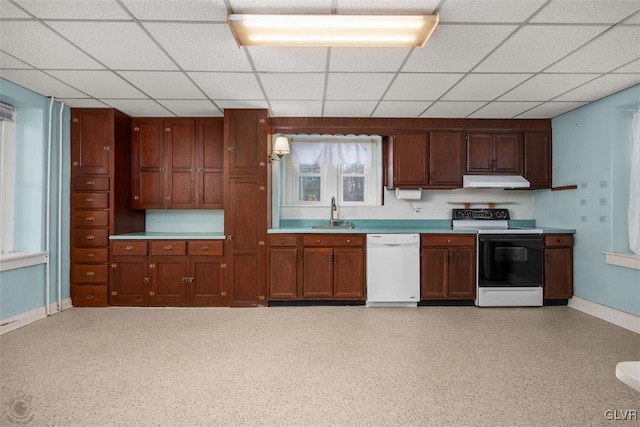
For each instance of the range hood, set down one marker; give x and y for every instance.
(494, 181)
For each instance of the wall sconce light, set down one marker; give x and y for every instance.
(280, 148)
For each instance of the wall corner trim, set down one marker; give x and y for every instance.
(39, 313)
(611, 315)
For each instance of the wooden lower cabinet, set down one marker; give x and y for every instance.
(448, 267)
(558, 266)
(138, 279)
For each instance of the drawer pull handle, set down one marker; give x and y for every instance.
(91, 182)
(90, 296)
(559, 240)
(283, 241)
(204, 248)
(90, 237)
(90, 273)
(318, 241)
(90, 218)
(128, 248)
(448, 240)
(90, 255)
(168, 248)
(89, 199)
(348, 240)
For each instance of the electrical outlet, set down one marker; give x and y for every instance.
(603, 202)
(583, 202)
(584, 186)
(603, 184)
(583, 218)
(603, 218)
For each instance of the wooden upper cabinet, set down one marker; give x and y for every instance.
(179, 159)
(148, 164)
(410, 165)
(247, 142)
(91, 140)
(537, 159)
(446, 159)
(209, 163)
(494, 153)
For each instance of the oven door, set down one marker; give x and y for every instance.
(510, 260)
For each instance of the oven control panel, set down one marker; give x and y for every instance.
(480, 214)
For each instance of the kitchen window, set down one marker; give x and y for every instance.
(7, 178)
(321, 168)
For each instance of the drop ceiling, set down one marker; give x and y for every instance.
(486, 59)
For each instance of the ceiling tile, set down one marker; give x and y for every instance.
(550, 109)
(82, 103)
(357, 86)
(348, 108)
(609, 51)
(635, 19)
(283, 86)
(183, 10)
(191, 108)
(543, 87)
(8, 61)
(98, 84)
(375, 59)
(200, 47)
(632, 67)
(280, 6)
(400, 7)
(41, 83)
(9, 10)
(163, 84)
(484, 87)
(420, 86)
(400, 108)
(245, 103)
(452, 109)
(296, 108)
(500, 110)
(74, 9)
(24, 40)
(488, 10)
(136, 51)
(587, 12)
(289, 59)
(139, 107)
(533, 48)
(228, 85)
(601, 87)
(457, 47)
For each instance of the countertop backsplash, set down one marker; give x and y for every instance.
(185, 221)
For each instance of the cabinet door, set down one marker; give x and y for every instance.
(91, 136)
(462, 273)
(206, 286)
(508, 153)
(129, 283)
(348, 273)
(479, 152)
(434, 273)
(247, 141)
(209, 161)
(168, 280)
(148, 164)
(558, 273)
(410, 160)
(446, 159)
(179, 159)
(283, 273)
(537, 159)
(317, 273)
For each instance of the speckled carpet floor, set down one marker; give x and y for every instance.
(430, 366)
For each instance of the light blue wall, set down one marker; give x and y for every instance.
(23, 289)
(592, 148)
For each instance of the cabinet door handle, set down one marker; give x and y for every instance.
(90, 237)
(90, 218)
(128, 248)
(168, 248)
(90, 182)
(89, 199)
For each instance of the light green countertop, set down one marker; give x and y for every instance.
(150, 235)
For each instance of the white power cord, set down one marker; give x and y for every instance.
(416, 208)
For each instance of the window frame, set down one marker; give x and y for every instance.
(7, 184)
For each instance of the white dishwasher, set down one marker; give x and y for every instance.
(393, 270)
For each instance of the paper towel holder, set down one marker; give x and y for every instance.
(412, 194)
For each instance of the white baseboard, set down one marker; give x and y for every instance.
(39, 313)
(611, 315)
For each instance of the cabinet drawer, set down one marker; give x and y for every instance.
(283, 240)
(168, 247)
(558, 240)
(90, 200)
(91, 237)
(90, 273)
(91, 255)
(89, 295)
(90, 218)
(91, 183)
(333, 240)
(448, 240)
(205, 247)
(129, 247)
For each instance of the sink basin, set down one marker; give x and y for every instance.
(334, 227)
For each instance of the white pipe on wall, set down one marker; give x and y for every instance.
(60, 210)
(47, 227)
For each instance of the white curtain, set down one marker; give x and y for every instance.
(634, 188)
(332, 153)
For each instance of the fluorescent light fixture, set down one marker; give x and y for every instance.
(332, 30)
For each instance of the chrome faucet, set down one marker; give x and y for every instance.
(333, 220)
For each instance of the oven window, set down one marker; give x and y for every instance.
(510, 261)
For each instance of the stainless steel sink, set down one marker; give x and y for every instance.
(346, 226)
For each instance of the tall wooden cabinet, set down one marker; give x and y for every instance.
(100, 194)
(247, 204)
